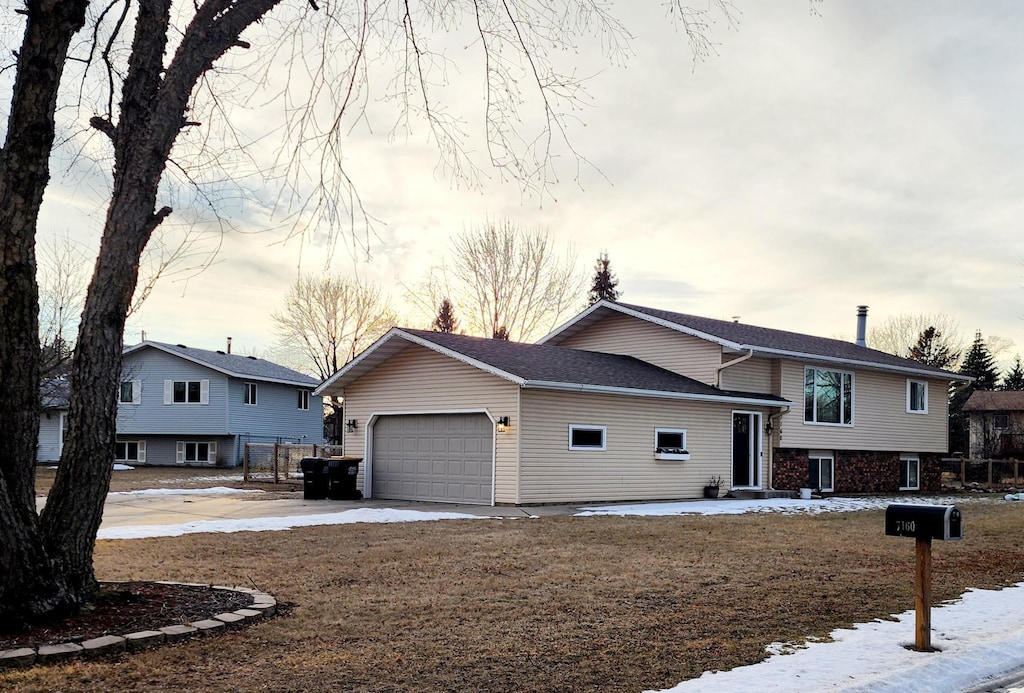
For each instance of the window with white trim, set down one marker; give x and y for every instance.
(910, 473)
(186, 392)
(250, 393)
(130, 451)
(670, 440)
(583, 437)
(917, 397)
(196, 451)
(304, 399)
(130, 392)
(821, 471)
(828, 397)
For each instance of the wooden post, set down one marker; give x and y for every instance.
(963, 472)
(990, 473)
(1015, 463)
(923, 595)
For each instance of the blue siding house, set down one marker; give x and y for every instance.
(181, 405)
(54, 397)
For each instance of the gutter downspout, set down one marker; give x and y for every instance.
(718, 372)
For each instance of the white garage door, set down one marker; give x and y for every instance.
(433, 457)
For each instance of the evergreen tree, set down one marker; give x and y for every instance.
(445, 320)
(605, 283)
(1014, 380)
(933, 350)
(979, 364)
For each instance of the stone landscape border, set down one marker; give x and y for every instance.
(263, 606)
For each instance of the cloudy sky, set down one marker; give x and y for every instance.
(850, 152)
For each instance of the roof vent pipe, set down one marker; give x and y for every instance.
(229, 345)
(862, 325)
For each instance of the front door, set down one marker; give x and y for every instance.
(746, 449)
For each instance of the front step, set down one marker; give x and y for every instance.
(748, 494)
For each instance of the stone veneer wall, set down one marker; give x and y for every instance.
(856, 471)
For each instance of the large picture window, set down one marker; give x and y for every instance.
(828, 397)
(586, 437)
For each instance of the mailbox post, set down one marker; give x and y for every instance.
(924, 523)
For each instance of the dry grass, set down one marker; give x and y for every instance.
(177, 477)
(554, 604)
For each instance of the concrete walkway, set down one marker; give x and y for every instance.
(129, 510)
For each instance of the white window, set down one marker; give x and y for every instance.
(828, 397)
(917, 397)
(582, 437)
(303, 399)
(910, 473)
(186, 392)
(190, 451)
(130, 451)
(250, 393)
(670, 444)
(821, 471)
(130, 392)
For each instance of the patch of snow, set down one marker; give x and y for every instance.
(785, 506)
(213, 491)
(118, 467)
(273, 524)
(980, 637)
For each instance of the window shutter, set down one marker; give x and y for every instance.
(212, 457)
(136, 392)
(142, 452)
(204, 391)
(179, 454)
(168, 391)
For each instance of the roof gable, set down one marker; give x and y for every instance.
(542, 366)
(233, 365)
(762, 340)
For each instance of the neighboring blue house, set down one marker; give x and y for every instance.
(179, 405)
(54, 395)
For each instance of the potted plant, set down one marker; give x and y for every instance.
(711, 490)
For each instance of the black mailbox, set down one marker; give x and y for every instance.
(924, 521)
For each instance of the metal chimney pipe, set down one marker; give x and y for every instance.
(229, 345)
(862, 325)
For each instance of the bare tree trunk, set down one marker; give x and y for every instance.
(30, 584)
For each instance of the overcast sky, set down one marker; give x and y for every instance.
(869, 153)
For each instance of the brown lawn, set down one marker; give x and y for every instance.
(553, 604)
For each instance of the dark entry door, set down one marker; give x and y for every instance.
(746, 447)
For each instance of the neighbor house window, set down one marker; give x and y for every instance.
(303, 399)
(186, 392)
(828, 397)
(1001, 421)
(250, 393)
(130, 392)
(586, 437)
(130, 451)
(917, 397)
(188, 451)
(670, 440)
(910, 473)
(821, 471)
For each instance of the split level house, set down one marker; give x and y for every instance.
(625, 402)
(55, 395)
(188, 406)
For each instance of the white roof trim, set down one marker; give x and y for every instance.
(657, 394)
(206, 364)
(866, 365)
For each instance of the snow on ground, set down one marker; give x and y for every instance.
(118, 467)
(214, 491)
(785, 506)
(269, 524)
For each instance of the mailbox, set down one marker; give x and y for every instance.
(924, 521)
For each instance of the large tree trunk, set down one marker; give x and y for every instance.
(30, 584)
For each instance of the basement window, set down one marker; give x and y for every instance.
(583, 437)
(670, 444)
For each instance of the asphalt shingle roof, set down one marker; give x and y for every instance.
(781, 340)
(553, 364)
(1002, 400)
(233, 364)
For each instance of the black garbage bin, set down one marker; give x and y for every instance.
(341, 478)
(314, 478)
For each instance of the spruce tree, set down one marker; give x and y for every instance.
(445, 320)
(979, 364)
(1014, 380)
(932, 349)
(605, 283)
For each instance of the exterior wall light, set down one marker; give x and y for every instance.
(350, 425)
(502, 424)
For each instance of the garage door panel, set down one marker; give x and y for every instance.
(435, 457)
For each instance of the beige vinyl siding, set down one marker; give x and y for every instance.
(627, 469)
(671, 350)
(752, 375)
(418, 380)
(880, 417)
